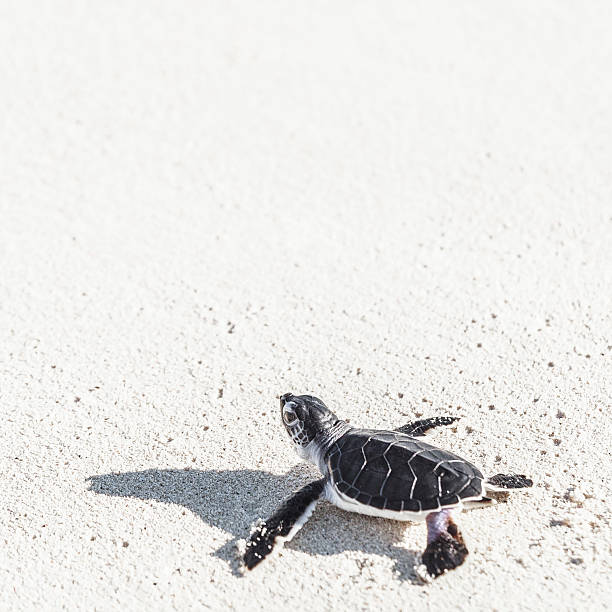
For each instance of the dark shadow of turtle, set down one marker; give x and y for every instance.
(232, 499)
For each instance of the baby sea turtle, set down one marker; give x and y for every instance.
(391, 474)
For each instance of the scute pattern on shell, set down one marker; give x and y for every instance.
(393, 471)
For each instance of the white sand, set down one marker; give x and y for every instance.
(374, 201)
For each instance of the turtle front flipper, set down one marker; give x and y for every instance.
(419, 428)
(283, 524)
(445, 548)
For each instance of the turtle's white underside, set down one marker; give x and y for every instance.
(340, 500)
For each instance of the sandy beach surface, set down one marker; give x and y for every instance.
(403, 208)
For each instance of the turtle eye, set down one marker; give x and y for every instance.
(289, 416)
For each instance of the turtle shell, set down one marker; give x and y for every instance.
(393, 471)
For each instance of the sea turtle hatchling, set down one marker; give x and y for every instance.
(391, 474)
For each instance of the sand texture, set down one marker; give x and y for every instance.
(404, 208)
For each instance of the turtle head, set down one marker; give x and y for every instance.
(305, 417)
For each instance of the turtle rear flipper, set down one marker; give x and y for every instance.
(445, 547)
(503, 482)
